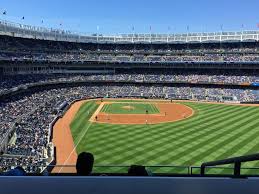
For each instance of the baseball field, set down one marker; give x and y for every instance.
(164, 133)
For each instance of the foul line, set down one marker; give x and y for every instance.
(92, 119)
(75, 147)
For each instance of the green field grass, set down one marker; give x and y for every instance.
(215, 132)
(137, 108)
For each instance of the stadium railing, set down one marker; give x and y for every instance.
(237, 161)
(156, 170)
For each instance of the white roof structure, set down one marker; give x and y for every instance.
(27, 31)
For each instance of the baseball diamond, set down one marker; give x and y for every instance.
(212, 131)
(140, 112)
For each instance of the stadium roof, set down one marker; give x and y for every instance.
(27, 31)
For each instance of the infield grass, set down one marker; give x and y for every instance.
(130, 108)
(216, 131)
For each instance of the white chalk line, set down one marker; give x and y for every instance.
(75, 146)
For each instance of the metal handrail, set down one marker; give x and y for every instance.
(188, 169)
(107, 166)
(235, 160)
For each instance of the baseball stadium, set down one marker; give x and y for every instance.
(157, 101)
(175, 105)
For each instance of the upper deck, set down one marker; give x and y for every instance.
(27, 31)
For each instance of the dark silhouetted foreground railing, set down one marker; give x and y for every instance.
(236, 161)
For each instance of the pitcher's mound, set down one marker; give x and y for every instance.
(128, 107)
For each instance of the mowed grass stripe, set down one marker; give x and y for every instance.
(156, 110)
(165, 143)
(152, 126)
(105, 108)
(142, 137)
(160, 144)
(232, 133)
(246, 144)
(193, 158)
(250, 133)
(80, 123)
(253, 149)
(152, 108)
(210, 133)
(79, 117)
(129, 136)
(183, 147)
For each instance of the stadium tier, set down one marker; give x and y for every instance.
(44, 72)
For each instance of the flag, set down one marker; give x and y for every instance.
(188, 28)
(23, 18)
(42, 21)
(150, 28)
(4, 13)
(133, 28)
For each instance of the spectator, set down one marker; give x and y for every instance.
(18, 171)
(138, 170)
(84, 164)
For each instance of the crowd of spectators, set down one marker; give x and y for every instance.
(114, 57)
(14, 43)
(39, 50)
(34, 112)
(7, 82)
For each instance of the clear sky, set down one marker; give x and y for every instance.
(119, 16)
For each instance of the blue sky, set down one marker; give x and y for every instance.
(119, 16)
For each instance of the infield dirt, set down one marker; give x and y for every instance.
(169, 112)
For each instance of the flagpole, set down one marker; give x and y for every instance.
(97, 27)
(150, 28)
(187, 33)
(168, 32)
(4, 14)
(133, 33)
(242, 32)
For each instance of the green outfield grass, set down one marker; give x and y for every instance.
(136, 108)
(215, 132)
